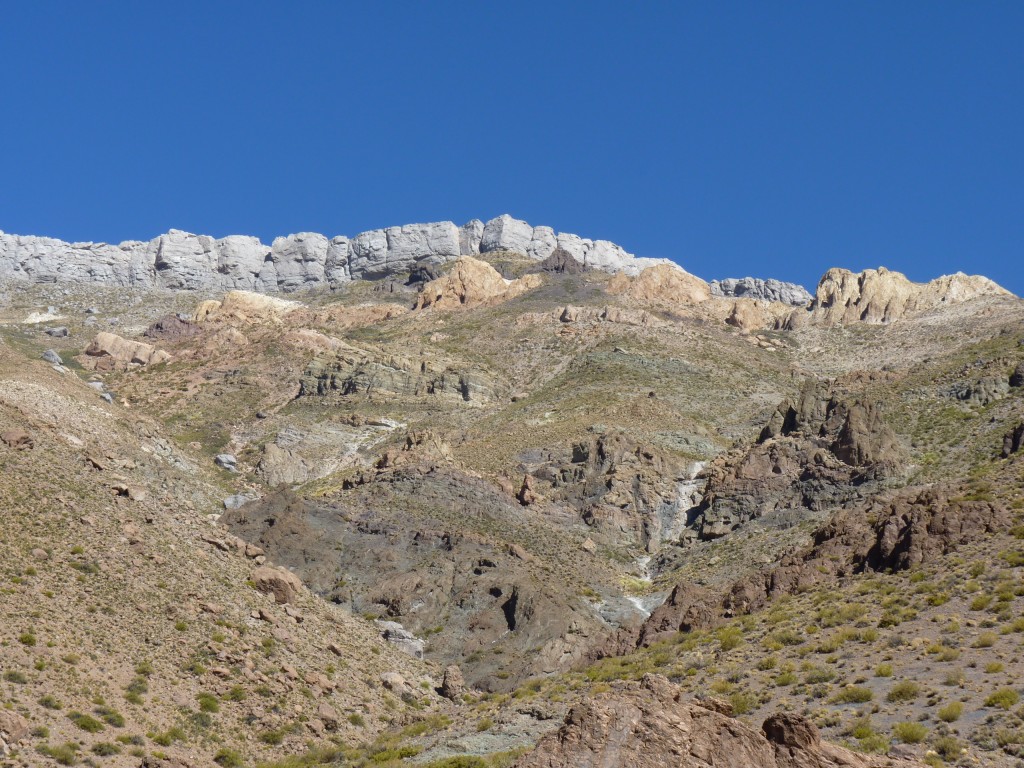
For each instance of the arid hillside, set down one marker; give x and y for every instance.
(446, 516)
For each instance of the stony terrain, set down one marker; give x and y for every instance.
(463, 488)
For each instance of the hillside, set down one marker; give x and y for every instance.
(548, 479)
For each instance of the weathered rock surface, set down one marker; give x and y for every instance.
(894, 531)
(109, 352)
(283, 585)
(765, 290)
(663, 284)
(181, 260)
(1013, 441)
(471, 282)
(882, 296)
(815, 453)
(245, 307)
(648, 724)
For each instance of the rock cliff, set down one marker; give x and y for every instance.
(882, 296)
(181, 260)
(766, 290)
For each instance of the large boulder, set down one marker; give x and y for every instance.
(108, 352)
(245, 307)
(284, 585)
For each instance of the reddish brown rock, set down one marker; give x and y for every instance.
(648, 725)
(18, 439)
(283, 585)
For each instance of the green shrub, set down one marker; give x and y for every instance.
(883, 670)
(15, 676)
(227, 758)
(65, 754)
(948, 747)
(951, 712)
(742, 703)
(903, 691)
(1004, 698)
(986, 640)
(994, 667)
(356, 719)
(910, 733)
(49, 702)
(105, 749)
(730, 637)
(208, 702)
(853, 694)
(87, 723)
(110, 716)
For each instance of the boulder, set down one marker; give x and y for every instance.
(1013, 441)
(108, 352)
(18, 439)
(1017, 377)
(452, 685)
(328, 715)
(402, 638)
(284, 585)
(246, 307)
(226, 461)
(52, 357)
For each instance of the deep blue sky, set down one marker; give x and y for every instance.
(772, 139)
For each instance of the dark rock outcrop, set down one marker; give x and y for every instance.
(1013, 441)
(649, 725)
(895, 531)
(561, 262)
(172, 328)
(815, 453)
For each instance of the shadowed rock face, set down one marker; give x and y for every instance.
(892, 532)
(649, 725)
(468, 594)
(817, 452)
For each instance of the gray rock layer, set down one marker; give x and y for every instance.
(181, 260)
(756, 288)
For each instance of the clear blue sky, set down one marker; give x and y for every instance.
(771, 139)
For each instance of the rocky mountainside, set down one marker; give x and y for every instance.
(455, 507)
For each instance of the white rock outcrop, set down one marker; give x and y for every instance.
(764, 290)
(182, 260)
